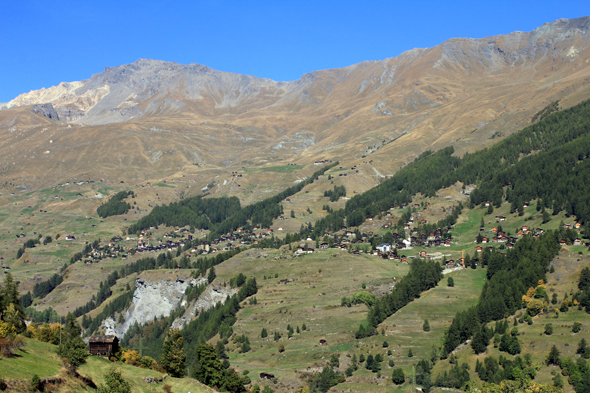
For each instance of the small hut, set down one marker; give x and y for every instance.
(103, 345)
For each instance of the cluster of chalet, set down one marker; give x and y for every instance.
(577, 241)
(525, 230)
(304, 249)
(319, 162)
(386, 250)
(451, 263)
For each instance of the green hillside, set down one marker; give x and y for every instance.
(357, 315)
(39, 358)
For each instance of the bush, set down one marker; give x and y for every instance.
(548, 329)
(114, 383)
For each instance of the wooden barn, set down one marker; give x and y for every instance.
(103, 345)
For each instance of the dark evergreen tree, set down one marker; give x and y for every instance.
(397, 376)
(211, 276)
(72, 348)
(554, 356)
(173, 359)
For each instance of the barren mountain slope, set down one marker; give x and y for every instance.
(152, 119)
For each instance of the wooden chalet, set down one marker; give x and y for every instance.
(106, 345)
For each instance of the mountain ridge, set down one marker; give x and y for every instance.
(461, 92)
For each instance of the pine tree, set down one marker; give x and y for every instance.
(479, 343)
(210, 369)
(334, 361)
(583, 349)
(426, 326)
(558, 381)
(211, 276)
(553, 356)
(173, 359)
(9, 295)
(584, 282)
(73, 349)
(397, 376)
(263, 333)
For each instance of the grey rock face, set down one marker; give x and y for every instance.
(153, 299)
(46, 110)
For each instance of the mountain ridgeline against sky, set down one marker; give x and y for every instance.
(153, 118)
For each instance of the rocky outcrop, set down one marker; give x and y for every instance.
(155, 296)
(46, 110)
(209, 298)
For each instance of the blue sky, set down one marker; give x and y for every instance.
(44, 43)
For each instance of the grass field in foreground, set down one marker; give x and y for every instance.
(40, 358)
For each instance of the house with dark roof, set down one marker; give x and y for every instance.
(105, 345)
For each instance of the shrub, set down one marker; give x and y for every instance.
(36, 382)
(114, 383)
(548, 329)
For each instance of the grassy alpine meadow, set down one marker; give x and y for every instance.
(305, 290)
